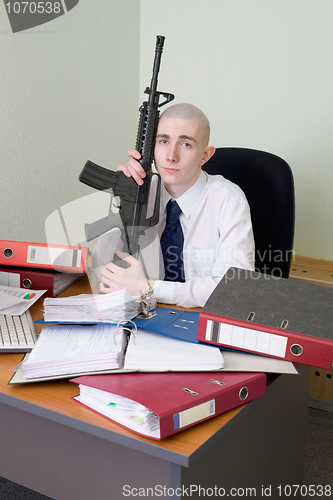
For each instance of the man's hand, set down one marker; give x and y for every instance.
(133, 167)
(114, 277)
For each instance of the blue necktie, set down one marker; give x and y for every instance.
(172, 241)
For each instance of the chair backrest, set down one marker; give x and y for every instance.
(267, 182)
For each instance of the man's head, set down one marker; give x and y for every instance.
(182, 147)
(185, 111)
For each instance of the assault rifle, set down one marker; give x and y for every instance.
(128, 198)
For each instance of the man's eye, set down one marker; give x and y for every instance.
(163, 141)
(186, 145)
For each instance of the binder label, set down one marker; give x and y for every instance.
(246, 338)
(194, 414)
(10, 279)
(54, 256)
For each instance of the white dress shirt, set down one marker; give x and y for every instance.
(217, 229)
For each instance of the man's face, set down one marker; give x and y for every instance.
(180, 152)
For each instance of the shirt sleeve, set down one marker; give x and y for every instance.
(235, 248)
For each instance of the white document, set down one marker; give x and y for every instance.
(7, 300)
(68, 349)
(150, 351)
(15, 301)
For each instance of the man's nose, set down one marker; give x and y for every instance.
(172, 153)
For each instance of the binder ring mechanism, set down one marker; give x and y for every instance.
(127, 328)
(148, 306)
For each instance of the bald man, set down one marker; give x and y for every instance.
(215, 218)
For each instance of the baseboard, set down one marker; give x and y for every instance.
(313, 271)
(310, 262)
(320, 404)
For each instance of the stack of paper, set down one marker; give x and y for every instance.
(74, 349)
(101, 308)
(122, 410)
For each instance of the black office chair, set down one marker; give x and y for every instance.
(267, 182)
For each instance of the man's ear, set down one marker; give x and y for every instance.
(209, 151)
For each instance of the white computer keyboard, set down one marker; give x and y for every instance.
(17, 333)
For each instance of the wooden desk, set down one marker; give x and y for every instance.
(53, 445)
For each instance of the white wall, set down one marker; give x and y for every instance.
(262, 70)
(69, 92)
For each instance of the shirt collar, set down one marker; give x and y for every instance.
(187, 200)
